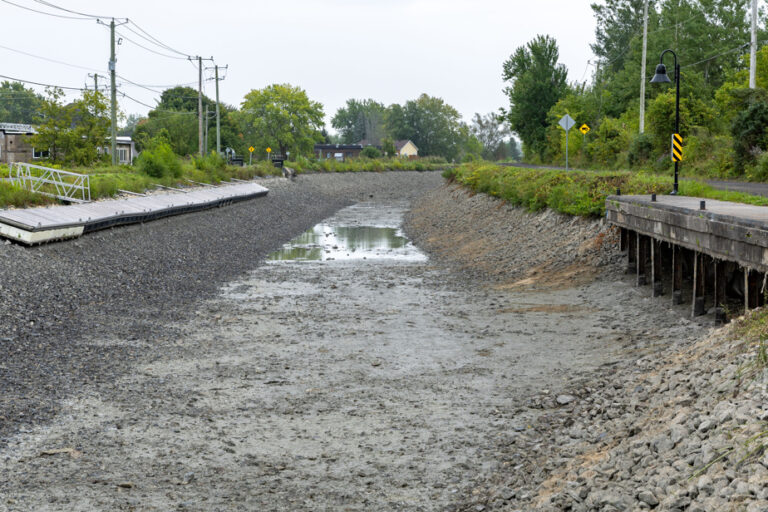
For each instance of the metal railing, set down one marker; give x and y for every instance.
(64, 185)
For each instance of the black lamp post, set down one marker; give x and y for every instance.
(661, 77)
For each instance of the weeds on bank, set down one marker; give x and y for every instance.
(580, 193)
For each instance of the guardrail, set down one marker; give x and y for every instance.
(64, 185)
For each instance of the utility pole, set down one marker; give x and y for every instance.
(218, 118)
(753, 48)
(113, 85)
(200, 103)
(205, 144)
(642, 67)
(113, 90)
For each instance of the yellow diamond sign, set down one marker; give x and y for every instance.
(584, 128)
(269, 150)
(251, 149)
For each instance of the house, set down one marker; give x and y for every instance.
(126, 150)
(406, 148)
(14, 146)
(340, 152)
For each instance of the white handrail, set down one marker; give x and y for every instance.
(69, 186)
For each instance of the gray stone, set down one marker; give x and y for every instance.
(647, 497)
(565, 399)
(706, 426)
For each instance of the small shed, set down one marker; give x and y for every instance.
(406, 148)
(14, 146)
(339, 152)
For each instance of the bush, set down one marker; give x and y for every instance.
(640, 150)
(159, 162)
(370, 152)
(209, 162)
(748, 130)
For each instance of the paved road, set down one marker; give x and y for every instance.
(758, 189)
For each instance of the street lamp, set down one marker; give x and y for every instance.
(660, 78)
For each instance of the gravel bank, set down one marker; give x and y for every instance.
(672, 424)
(136, 280)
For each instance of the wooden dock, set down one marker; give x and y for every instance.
(45, 224)
(718, 247)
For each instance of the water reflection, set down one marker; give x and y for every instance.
(331, 242)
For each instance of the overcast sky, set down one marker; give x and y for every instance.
(388, 50)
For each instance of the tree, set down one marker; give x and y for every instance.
(514, 150)
(430, 123)
(618, 22)
(91, 125)
(73, 133)
(360, 120)
(130, 124)
(537, 83)
(18, 104)
(54, 131)
(283, 117)
(491, 131)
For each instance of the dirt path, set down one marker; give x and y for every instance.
(344, 384)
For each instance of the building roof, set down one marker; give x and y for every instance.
(17, 128)
(400, 144)
(338, 146)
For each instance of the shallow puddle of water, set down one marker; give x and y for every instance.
(366, 231)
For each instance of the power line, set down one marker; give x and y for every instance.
(154, 40)
(48, 4)
(47, 13)
(41, 84)
(149, 49)
(47, 59)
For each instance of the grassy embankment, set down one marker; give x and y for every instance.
(579, 193)
(106, 180)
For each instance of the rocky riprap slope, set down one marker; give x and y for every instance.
(674, 427)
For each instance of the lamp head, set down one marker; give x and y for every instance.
(661, 75)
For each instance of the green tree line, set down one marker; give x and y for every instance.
(724, 124)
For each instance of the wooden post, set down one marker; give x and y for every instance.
(677, 275)
(631, 252)
(658, 287)
(623, 239)
(642, 244)
(751, 289)
(699, 270)
(719, 295)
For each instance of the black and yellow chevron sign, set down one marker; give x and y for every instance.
(677, 147)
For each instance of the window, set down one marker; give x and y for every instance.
(38, 154)
(122, 155)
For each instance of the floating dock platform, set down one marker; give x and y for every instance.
(46, 224)
(720, 247)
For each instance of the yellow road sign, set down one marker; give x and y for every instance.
(584, 128)
(677, 147)
(269, 150)
(251, 149)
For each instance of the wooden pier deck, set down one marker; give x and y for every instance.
(710, 243)
(45, 224)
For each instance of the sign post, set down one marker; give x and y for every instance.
(250, 159)
(584, 129)
(269, 150)
(567, 123)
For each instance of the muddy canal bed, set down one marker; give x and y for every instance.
(347, 372)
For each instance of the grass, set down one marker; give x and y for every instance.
(580, 193)
(107, 180)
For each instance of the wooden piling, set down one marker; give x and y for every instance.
(656, 283)
(631, 252)
(623, 235)
(751, 289)
(642, 249)
(719, 292)
(699, 271)
(677, 275)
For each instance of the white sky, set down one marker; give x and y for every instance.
(388, 50)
